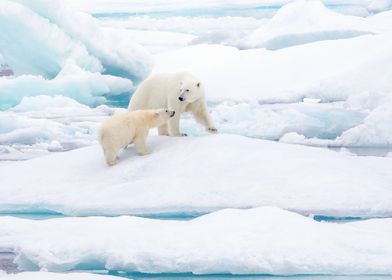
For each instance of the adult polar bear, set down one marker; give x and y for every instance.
(179, 92)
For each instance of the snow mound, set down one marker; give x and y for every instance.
(55, 276)
(305, 21)
(315, 180)
(225, 242)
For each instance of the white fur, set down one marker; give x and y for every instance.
(118, 131)
(164, 90)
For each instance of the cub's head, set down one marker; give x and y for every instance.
(190, 90)
(160, 116)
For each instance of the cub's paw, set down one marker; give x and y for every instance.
(144, 153)
(212, 130)
(184, 134)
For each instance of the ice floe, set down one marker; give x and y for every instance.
(42, 124)
(264, 240)
(55, 276)
(86, 87)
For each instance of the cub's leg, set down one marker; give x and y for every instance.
(163, 130)
(140, 143)
(110, 155)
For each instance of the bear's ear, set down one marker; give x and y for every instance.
(198, 84)
(156, 115)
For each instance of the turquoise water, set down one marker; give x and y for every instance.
(189, 276)
(180, 216)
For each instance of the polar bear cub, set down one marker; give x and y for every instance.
(120, 130)
(180, 92)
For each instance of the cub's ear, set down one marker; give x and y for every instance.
(198, 84)
(156, 115)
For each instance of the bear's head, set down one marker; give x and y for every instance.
(160, 116)
(190, 90)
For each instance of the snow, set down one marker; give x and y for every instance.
(258, 74)
(240, 172)
(55, 276)
(264, 240)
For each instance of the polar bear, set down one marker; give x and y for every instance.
(180, 92)
(120, 130)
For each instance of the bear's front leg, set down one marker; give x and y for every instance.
(200, 113)
(174, 125)
(140, 145)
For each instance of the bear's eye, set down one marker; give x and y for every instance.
(187, 90)
(166, 111)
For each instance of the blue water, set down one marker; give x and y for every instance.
(263, 11)
(190, 276)
(180, 216)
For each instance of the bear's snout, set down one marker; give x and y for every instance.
(172, 114)
(181, 98)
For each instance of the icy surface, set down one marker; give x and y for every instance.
(54, 35)
(55, 276)
(242, 86)
(247, 82)
(253, 173)
(86, 87)
(50, 54)
(263, 240)
(255, 8)
(36, 46)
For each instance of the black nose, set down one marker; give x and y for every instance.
(172, 114)
(181, 98)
